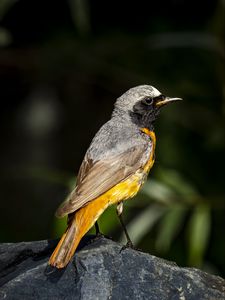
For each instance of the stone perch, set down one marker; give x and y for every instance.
(99, 271)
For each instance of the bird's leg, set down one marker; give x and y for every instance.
(97, 230)
(119, 210)
(98, 234)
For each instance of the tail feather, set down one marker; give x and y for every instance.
(79, 224)
(64, 250)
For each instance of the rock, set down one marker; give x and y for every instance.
(99, 271)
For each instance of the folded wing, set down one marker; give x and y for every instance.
(95, 178)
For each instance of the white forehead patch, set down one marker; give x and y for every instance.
(143, 91)
(155, 92)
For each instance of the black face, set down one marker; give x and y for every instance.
(148, 104)
(146, 111)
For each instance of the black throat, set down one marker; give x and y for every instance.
(144, 120)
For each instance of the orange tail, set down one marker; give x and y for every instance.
(82, 221)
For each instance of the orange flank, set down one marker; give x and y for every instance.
(84, 218)
(151, 160)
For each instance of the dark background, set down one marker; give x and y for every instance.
(62, 65)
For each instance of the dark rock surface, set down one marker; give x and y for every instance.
(99, 271)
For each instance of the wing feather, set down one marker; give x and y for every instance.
(95, 178)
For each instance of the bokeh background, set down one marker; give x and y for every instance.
(62, 65)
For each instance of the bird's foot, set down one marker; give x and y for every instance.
(129, 244)
(99, 236)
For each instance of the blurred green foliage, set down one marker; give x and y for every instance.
(62, 67)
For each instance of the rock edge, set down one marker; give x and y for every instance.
(99, 270)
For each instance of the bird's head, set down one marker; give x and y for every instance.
(142, 103)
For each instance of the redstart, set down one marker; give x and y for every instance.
(114, 168)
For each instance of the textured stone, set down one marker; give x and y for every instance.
(99, 271)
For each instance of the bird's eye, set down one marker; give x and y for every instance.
(148, 100)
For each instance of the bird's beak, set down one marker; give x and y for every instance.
(167, 100)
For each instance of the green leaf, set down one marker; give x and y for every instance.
(174, 180)
(158, 191)
(198, 234)
(170, 226)
(5, 37)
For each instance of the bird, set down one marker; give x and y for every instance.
(114, 167)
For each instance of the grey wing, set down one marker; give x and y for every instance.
(95, 178)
